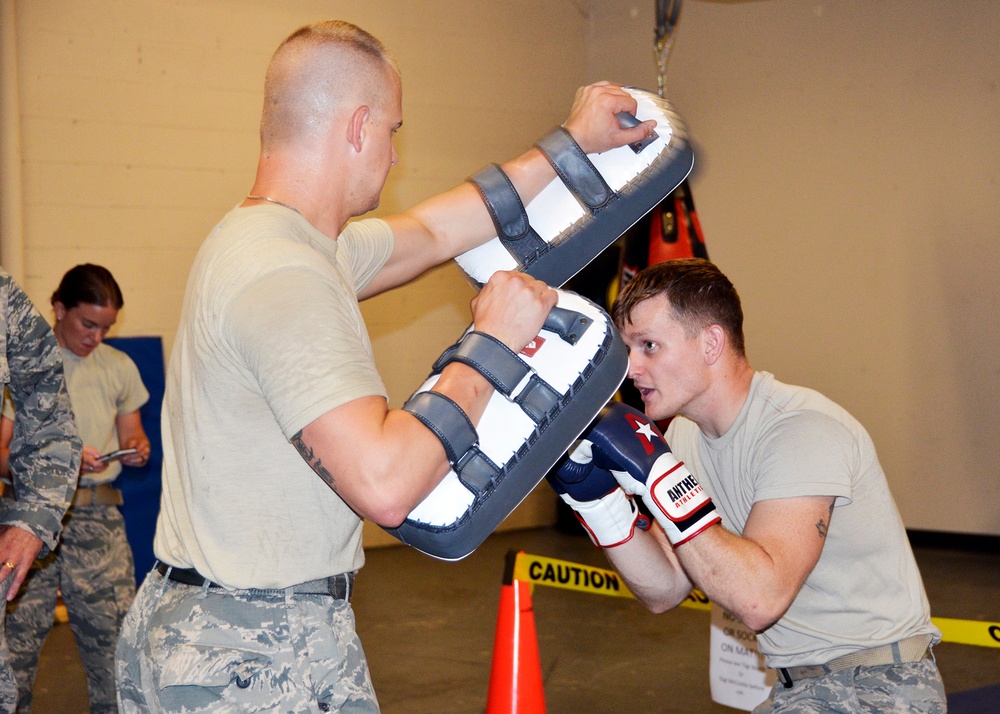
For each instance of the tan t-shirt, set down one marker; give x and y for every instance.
(788, 442)
(102, 386)
(271, 337)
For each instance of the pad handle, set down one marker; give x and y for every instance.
(626, 121)
(568, 324)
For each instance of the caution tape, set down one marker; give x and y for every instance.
(968, 632)
(554, 573)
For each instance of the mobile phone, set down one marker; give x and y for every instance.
(115, 455)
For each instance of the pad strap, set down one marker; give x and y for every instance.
(450, 424)
(508, 374)
(575, 169)
(446, 420)
(488, 356)
(509, 216)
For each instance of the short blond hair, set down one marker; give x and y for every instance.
(314, 71)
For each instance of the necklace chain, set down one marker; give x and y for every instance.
(275, 201)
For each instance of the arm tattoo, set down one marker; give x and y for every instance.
(314, 462)
(822, 526)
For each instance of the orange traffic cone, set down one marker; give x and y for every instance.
(516, 674)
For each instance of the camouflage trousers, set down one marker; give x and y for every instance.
(900, 688)
(92, 567)
(8, 686)
(186, 648)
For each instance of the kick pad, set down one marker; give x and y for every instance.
(594, 199)
(545, 397)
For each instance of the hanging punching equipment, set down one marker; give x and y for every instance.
(671, 230)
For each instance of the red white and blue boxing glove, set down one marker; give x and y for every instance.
(606, 512)
(626, 443)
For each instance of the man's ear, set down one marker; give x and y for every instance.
(714, 341)
(356, 127)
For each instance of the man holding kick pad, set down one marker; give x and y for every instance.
(277, 436)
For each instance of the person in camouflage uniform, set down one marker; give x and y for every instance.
(45, 452)
(277, 436)
(92, 566)
(811, 552)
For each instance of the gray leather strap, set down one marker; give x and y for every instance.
(576, 171)
(509, 216)
(510, 376)
(538, 399)
(456, 433)
(488, 356)
(476, 471)
(446, 419)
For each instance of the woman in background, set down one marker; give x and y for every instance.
(92, 566)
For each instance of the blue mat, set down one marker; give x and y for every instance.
(983, 700)
(141, 487)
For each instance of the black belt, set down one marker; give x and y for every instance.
(339, 587)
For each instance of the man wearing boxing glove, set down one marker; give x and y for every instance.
(277, 437)
(773, 502)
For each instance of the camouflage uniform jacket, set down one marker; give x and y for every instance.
(45, 449)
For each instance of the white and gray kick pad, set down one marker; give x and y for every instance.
(593, 200)
(545, 397)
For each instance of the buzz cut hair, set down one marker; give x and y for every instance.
(315, 71)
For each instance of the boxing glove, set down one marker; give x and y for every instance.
(626, 443)
(604, 510)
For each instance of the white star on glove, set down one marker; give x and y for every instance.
(646, 429)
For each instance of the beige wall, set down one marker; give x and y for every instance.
(139, 130)
(848, 179)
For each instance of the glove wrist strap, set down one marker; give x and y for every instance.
(609, 521)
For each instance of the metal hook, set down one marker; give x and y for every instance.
(667, 13)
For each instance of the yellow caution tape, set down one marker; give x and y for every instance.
(564, 574)
(569, 576)
(697, 600)
(968, 632)
(550, 572)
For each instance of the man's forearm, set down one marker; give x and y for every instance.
(651, 570)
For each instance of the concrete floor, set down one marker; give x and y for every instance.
(428, 628)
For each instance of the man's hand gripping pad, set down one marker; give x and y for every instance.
(593, 200)
(627, 443)
(545, 396)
